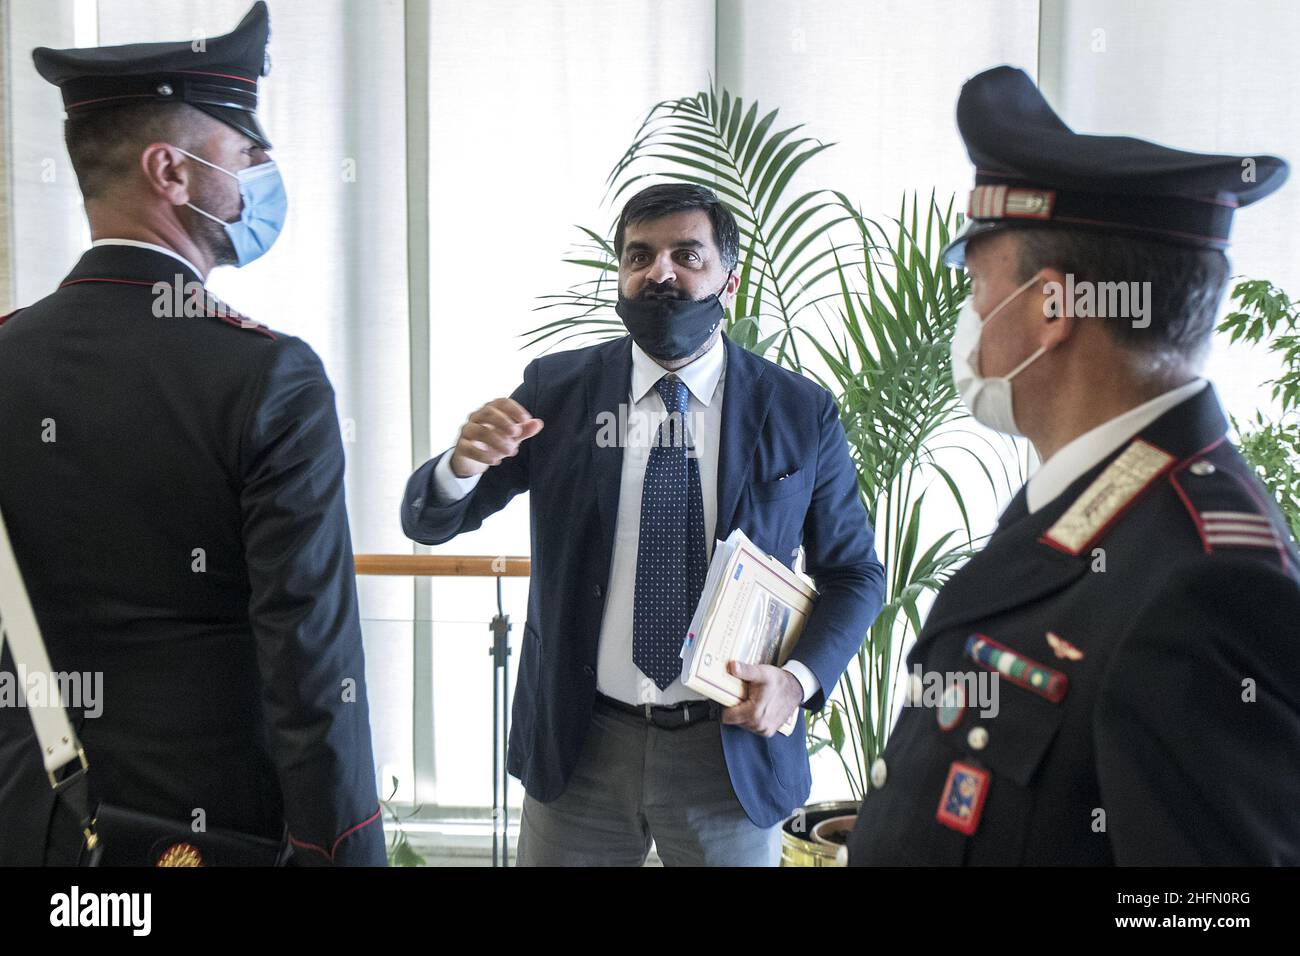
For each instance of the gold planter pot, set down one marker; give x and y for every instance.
(798, 848)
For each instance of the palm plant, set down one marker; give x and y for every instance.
(887, 308)
(887, 360)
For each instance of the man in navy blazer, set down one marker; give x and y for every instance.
(612, 749)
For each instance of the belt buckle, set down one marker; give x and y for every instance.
(676, 717)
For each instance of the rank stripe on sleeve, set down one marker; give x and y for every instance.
(1221, 527)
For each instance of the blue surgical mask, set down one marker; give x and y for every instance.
(264, 207)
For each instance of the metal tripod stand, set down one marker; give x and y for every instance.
(500, 651)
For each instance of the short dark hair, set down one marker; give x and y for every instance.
(104, 144)
(1186, 284)
(655, 202)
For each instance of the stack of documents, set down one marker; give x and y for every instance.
(752, 609)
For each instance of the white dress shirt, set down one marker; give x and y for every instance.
(616, 675)
(149, 245)
(1062, 469)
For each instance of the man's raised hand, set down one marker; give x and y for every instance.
(491, 435)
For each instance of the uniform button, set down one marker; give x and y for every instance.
(597, 591)
(978, 738)
(588, 670)
(878, 773)
(1202, 468)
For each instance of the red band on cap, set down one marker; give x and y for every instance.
(227, 76)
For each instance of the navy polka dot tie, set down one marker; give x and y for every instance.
(671, 560)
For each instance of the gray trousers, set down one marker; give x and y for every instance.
(635, 782)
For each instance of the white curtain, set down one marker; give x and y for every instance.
(47, 227)
(878, 79)
(6, 190)
(1199, 75)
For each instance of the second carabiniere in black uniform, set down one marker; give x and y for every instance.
(1118, 664)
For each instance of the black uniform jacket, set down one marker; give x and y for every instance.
(173, 487)
(1145, 629)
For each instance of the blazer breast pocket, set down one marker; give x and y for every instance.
(782, 485)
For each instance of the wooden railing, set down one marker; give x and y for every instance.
(443, 565)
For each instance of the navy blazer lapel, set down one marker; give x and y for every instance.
(746, 395)
(609, 385)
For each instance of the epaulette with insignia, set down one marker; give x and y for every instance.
(1114, 490)
(1224, 508)
(217, 309)
(213, 308)
(244, 322)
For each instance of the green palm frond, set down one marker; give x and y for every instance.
(786, 242)
(886, 359)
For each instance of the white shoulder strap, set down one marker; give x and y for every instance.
(59, 744)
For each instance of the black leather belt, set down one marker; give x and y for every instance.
(670, 717)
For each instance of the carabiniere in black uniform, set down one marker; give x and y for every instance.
(173, 489)
(1144, 625)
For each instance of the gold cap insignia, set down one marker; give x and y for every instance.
(1010, 202)
(180, 854)
(1063, 648)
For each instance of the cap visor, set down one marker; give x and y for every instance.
(954, 253)
(242, 120)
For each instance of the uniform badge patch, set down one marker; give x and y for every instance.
(1063, 648)
(963, 796)
(951, 707)
(1020, 670)
(1108, 496)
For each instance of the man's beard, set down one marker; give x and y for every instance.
(211, 236)
(665, 290)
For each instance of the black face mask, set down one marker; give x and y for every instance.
(671, 329)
